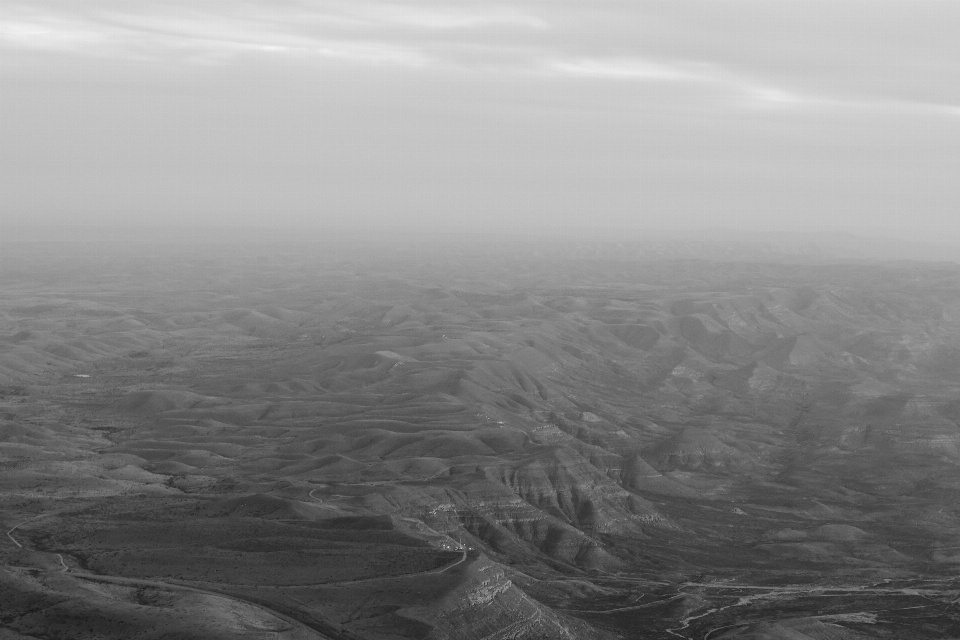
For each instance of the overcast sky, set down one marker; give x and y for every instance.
(769, 114)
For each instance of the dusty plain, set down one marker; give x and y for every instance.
(501, 439)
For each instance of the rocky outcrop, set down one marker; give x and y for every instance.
(487, 605)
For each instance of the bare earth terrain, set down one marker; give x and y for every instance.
(501, 440)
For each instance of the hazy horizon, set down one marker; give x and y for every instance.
(797, 116)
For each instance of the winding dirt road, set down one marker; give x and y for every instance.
(322, 629)
(20, 524)
(172, 586)
(774, 593)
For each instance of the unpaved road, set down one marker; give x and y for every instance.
(158, 584)
(775, 593)
(20, 524)
(324, 630)
(321, 629)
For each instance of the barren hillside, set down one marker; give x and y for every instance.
(499, 440)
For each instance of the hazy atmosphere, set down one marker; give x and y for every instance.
(448, 320)
(470, 116)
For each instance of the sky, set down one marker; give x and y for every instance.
(762, 115)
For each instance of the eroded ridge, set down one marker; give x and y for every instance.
(346, 444)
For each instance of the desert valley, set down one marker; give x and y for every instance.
(381, 441)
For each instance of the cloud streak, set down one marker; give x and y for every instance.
(185, 38)
(624, 68)
(653, 42)
(440, 17)
(498, 39)
(379, 33)
(676, 109)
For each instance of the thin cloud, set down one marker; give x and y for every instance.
(52, 33)
(441, 17)
(742, 91)
(192, 37)
(544, 40)
(755, 96)
(381, 33)
(900, 107)
(629, 69)
(773, 96)
(746, 91)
